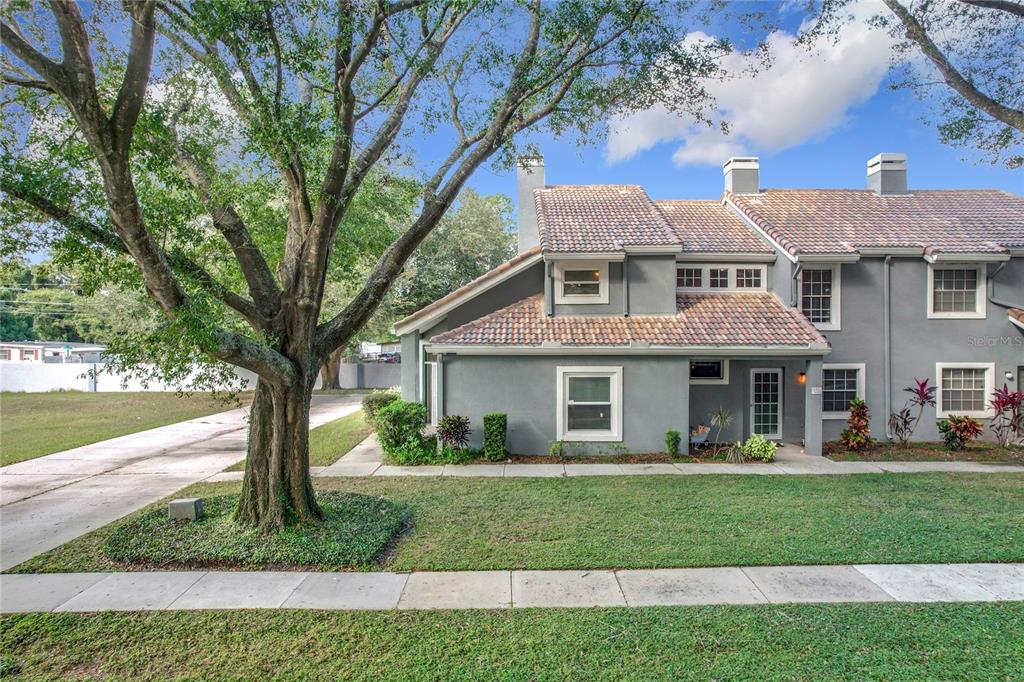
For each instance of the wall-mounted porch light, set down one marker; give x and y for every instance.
(801, 378)
(1009, 375)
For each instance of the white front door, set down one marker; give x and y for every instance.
(766, 402)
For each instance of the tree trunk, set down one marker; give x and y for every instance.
(277, 490)
(330, 373)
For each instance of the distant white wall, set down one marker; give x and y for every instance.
(370, 375)
(38, 377)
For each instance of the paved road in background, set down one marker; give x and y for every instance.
(45, 502)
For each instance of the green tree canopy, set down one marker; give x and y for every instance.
(212, 159)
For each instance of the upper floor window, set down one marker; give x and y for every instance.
(689, 278)
(819, 296)
(956, 291)
(748, 278)
(581, 282)
(718, 278)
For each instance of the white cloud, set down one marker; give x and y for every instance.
(803, 94)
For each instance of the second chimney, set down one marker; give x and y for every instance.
(742, 175)
(887, 174)
(529, 176)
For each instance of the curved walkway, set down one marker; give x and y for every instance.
(186, 590)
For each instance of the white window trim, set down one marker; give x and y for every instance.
(861, 372)
(705, 275)
(602, 288)
(837, 279)
(979, 294)
(990, 377)
(561, 393)
(712, 382)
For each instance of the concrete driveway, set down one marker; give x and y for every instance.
(45, 502)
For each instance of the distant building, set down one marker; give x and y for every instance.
(50, 351)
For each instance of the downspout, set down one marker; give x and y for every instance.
(887, 342)
(625, 285)
(793, 300)
(992, 290)
(549, 293)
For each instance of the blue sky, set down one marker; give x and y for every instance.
(814, 120)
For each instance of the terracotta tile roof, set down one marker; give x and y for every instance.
(842, 221)
(598, 218)
(483, 279)
(747, 319)
(710, 227)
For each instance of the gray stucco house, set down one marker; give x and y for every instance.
(622, 317)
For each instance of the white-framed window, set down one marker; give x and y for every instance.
(589, 403)
(965, 388)
(709, 371)
(840, 383)
(5, 354)
(819, 296)
(956, 292)
(581, 282)
(29, 355)
(748, 278)
(720, 277)
(689, 278)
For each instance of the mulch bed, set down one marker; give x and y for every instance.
(925, 452)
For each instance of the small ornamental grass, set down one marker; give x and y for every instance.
(356, 532)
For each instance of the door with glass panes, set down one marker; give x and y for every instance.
(766, 402)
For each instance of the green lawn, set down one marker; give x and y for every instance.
(36, 424)
(664, 521)
(328, 442)
(786, 642)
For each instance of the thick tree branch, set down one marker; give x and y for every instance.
(916, 32)
(136, 77)
(258, 276)
(108, 239)
(1015, 8)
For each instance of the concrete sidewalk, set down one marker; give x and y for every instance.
(84, 592)
(366, 459)
(45, 502)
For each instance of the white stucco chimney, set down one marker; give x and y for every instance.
(742, 175)
(529, 176)
(887, 173)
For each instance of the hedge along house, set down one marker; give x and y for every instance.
(623, 317)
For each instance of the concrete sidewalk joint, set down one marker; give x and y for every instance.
(186, 590)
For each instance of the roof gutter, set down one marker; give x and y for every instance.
(554, 348)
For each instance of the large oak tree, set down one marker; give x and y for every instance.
(210, 152)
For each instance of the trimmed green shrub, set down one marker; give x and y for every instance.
(672, 441)
(453, 431)
(958, 431)
(399, 424)
(495, 436)
(760, 448)
(375, 402)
